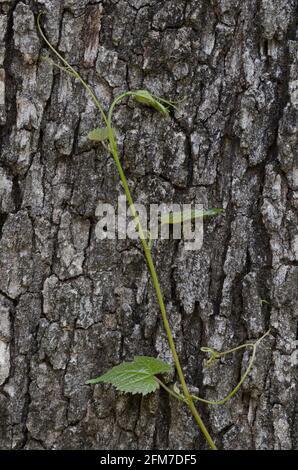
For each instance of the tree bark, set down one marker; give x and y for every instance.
(73, 307)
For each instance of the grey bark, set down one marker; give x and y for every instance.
(72, 307)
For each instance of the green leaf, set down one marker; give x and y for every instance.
(183, 216)
(144, 97)
(99, 134)
(152, 364)
(135, 377)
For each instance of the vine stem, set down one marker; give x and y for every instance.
(189, 399)
(70, 70)
(147, 251)
(151, 266)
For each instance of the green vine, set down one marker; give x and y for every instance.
(140, 376)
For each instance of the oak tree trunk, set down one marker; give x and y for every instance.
(71, 306)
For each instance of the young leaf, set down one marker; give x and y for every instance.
(135, 377)
(178, 217)
(144, 97)
(99, 134)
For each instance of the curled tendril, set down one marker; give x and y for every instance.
(214, 355)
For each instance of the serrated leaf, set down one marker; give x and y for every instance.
(99, 134)
(135, 377)
(183, 216)
(144, 97)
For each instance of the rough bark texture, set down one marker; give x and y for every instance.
(72, 307)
